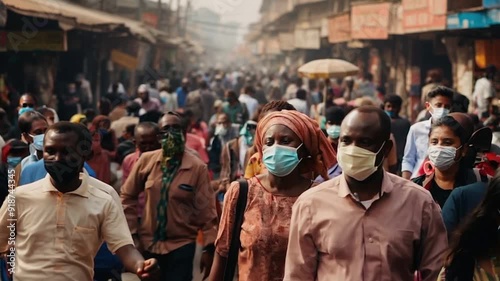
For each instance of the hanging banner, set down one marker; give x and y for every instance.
(124, 59)
(307, 39)
(424, 15)
(339, 29)
(370, 21)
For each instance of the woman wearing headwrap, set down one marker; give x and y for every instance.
(291, 145)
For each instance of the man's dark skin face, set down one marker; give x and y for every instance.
(38, 127)
(144, 96)
(390, 107)
(364, 130)
(231, 99)
(146, 140)
(63, 147)
(26, 101)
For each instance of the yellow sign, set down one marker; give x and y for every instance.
(35, 41)
(124, 59)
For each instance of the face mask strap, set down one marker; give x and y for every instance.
(379, 150)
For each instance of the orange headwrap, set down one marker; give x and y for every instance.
(309, 132)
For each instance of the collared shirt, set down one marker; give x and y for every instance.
(153, 104)
(417, 143)
(191, 203)
(334, 237)
(28, 160)
(58, 235)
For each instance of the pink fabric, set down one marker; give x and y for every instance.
(127, 165)
(197, 144)
(101, 164)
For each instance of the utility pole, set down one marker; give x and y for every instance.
(178, 18)
(139, 11)
(160, 14)
(188, 7)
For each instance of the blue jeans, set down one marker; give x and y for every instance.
(176, 265)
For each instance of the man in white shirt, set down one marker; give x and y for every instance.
(300, 102)
(438, 103)
(56, 225)
(247, 98)
(484, 91)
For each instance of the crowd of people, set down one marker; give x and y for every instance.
(275, 179)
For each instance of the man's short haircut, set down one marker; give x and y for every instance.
(383, 118)
(26, 120)
(395, 100)
(147, 126)
(301, 94)
(249, 90)
(441, 91)
(84, 137)
(335, 115)
(130, 129)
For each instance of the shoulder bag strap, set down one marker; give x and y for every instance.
(234, 249)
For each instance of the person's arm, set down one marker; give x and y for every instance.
(302, 256)
(433, 242)
(409, 157)
(129, 194)
(225, 233)
(206, 218)
(117, 236)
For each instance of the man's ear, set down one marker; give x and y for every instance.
(427, 106)
(26, 138)
(387, 147)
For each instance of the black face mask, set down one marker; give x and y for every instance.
(63, 171)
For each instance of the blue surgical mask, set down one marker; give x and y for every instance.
(390, 113)
(14, 161)
(25, 109)
(249, 139)
(281, 160)
(38, 142)
(333, 131)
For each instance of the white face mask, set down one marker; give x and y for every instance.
(438, 113)
(220, 130)
(442, 157)
(356, 162)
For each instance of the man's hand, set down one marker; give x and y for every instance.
(206, 263)
(223, 186)
(148, 270)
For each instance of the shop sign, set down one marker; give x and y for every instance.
(339, 29)
(150, 19)
(286, 41)
(124, 59)
(424, 15)
(370, 21)
(19, 41)
(273, 46)
(307, 39)
(491, 3)
(467, 20)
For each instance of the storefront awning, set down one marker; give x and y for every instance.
(71, 16)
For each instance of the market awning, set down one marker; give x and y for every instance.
(71, 16)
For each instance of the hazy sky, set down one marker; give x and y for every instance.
(241, 11)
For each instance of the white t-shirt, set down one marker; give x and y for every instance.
(251, 103)
(482, 91)
(300, 105)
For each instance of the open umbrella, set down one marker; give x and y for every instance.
(328, 68)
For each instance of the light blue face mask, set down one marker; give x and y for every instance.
(25, 109)
(14, 161)
(281, 160)
(333, 131)
(38, 142)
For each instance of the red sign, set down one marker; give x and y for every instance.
(424, 15)
(339, 29)
(370, 21)
(150, 19)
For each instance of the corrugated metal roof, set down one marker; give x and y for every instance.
(75, 16)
